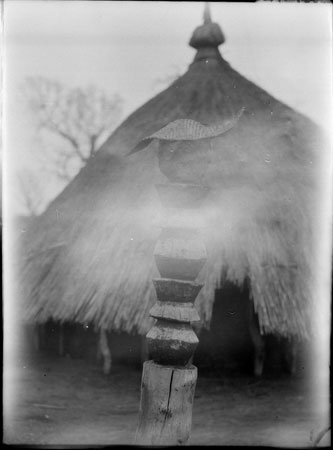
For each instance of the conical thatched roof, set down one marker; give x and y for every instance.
(90, 255)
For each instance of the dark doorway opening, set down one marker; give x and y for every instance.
(227, 345)
(227, 348)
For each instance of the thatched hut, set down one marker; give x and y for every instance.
(89, 255)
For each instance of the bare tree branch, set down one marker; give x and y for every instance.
(30, 193)
(80, 118)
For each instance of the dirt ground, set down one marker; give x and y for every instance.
(61, 401)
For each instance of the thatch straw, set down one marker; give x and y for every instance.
(90, 255)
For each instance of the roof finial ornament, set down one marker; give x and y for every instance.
(206, 15)
(207, 35)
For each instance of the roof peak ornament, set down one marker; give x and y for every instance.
(206, 15)
(209, 34)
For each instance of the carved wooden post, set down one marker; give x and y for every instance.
(168, 380)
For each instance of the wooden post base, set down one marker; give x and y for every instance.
(167, 394)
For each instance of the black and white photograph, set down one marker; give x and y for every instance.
(166, 219)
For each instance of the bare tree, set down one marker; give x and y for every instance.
(79, 119)
(30, 193)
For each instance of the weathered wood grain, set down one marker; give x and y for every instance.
(165, 415)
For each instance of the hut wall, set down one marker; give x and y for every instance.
(224, 349)
(80, 341)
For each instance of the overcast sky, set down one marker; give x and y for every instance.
(126, 47)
